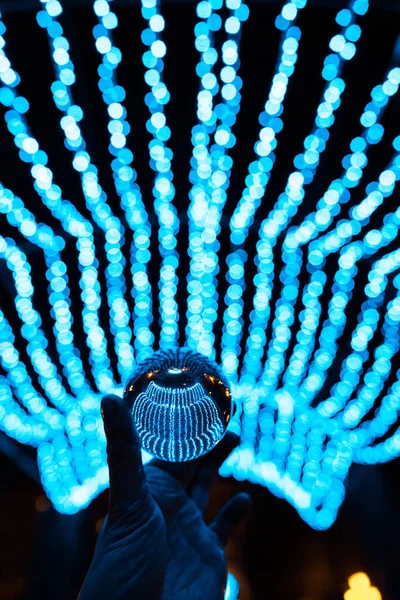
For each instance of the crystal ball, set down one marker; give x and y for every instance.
(180, 403)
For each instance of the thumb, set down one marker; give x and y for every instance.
(127, 478)
(230, 515)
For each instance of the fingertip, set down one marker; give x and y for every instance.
(119, 427)
(127, 479)
(243, 503)
(231, 515)
(110, 411)
(117, 417)
(236, 509)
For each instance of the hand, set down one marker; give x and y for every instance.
(154, 542)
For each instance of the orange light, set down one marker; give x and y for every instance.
(361, 589)
(98, 525)
(42, 504)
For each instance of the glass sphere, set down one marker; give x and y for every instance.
(181, 404)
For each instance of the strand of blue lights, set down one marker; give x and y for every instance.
(344, 278)
(284, 318)
(31, 331)
(302, 235)
(160, 162)
(353, 365)
(27, 428)
(125, 176)
(212, 165)
(14, 421)
(386, 414)
(96, 199)
(338, 193)
(368, 320)
(71, 220)
(259, 318)
(260, 169)
(293, 196)
(17, 375)
(374, 380)
(199, 293)
(43, 237)
(256, 183)
(323, 466)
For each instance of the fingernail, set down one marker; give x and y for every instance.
(109, 412)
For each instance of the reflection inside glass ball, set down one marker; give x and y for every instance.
(180, 403)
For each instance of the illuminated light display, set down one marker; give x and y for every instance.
(361, 588)
(256, 184)
(211, 164)
(300, 427)
(290, 200)
(124, 175)
(180, 404)
(96, 199)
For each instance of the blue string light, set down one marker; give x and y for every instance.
(43, 236)
(256, 183)
(96, 199)
(160, 161)
(342, 289)
(289, 201)
(211, 163)
(318, 222)
(37, 343)
(125, 176)
(71, 220)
